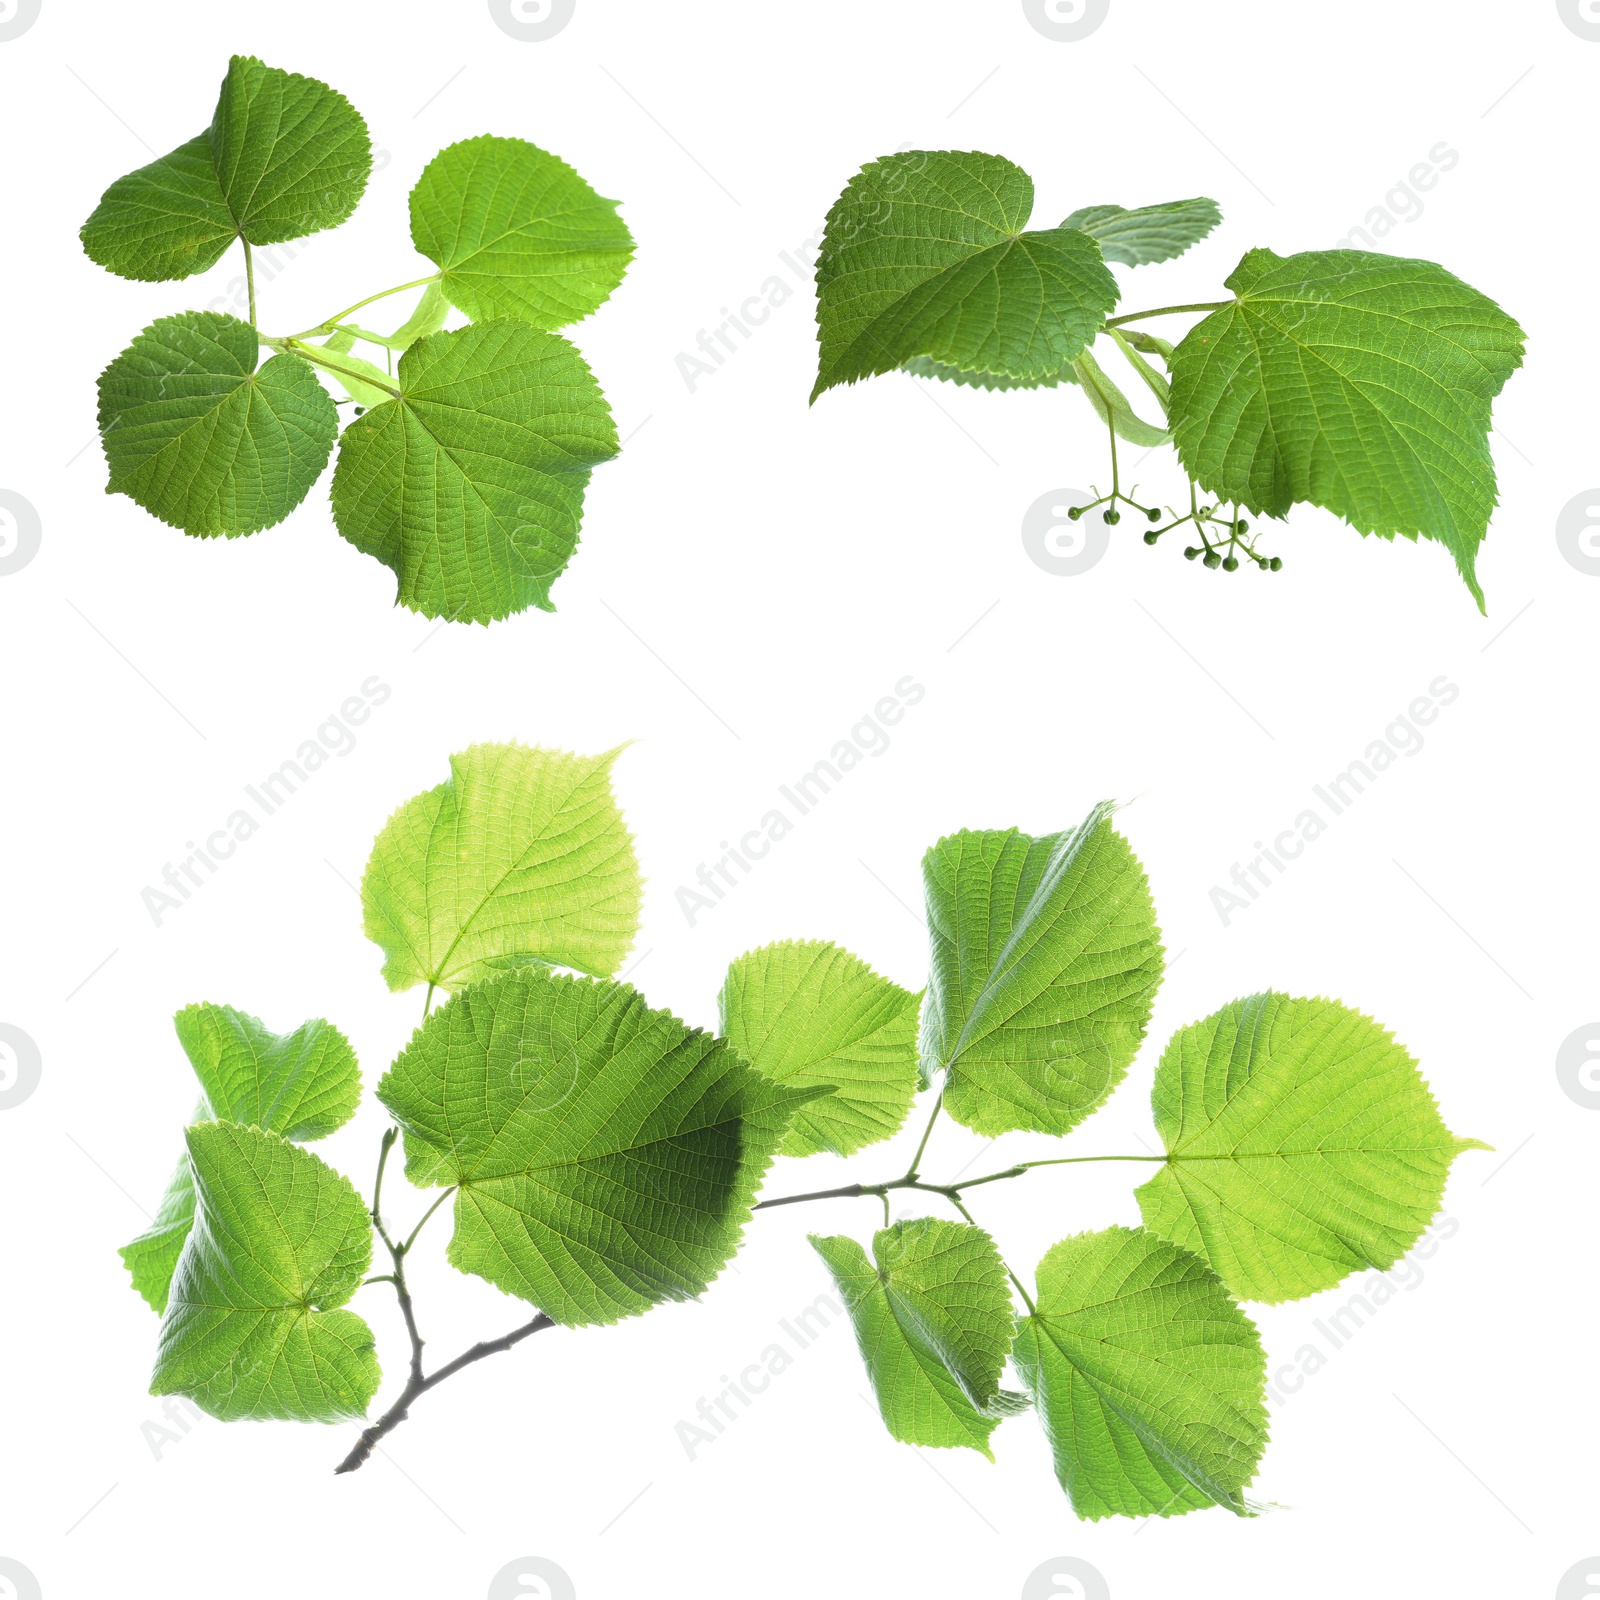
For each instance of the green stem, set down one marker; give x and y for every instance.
(1157, 385)
(916, 1160)
(310, 352)
(427, 1002)
(383, 294)
(411, 1238)
(250, 278)
(951, 1191)
(1167, 311)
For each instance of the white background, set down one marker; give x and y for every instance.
(754, 575)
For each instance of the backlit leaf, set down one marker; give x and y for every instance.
(1302, 1144)
(811, 1013)
(1148, 1379)
(605, 1157)
(1045, 961)
(521, 853)
(253, 1327)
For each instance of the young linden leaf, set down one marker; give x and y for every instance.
(1152, 233)
(1302, 1144)
(516, 232)
(811, 1013)
(1045, 962)
(521, 853)
(284, 156)
(605, 1157)
(1356, 382)
(933, 1317)
(925, 254)
(203, 440)
(280, 1242)
(469, 482)
(1148, 1378)
(302, 1085)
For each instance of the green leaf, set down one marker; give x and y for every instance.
(167, 220)
(933, 1316)
(200, 438)
(1360, 383)
(516, 232)
(811, 1013)
(1045, 962)
(280, 1242)
(284, 156)
(1152, 233)
(470, 484)
(521, 853)
(1302, 1144)
(925, 254)
(1147, 1377)
(605, 1157)
(302, 1085)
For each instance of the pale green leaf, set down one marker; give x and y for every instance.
(1302, 1144)
(926, 254)
(364, 381)
(302, 1085)
(280, 1242)
(1361, 383)
(933, 1317)
(1152, 233)
(1045, 962)
(284, 156)
(516, 232)
(605, 1157)
(521, 853)
(1111, 405)
(1147, 1377)
(470, 483)
(203, 440)
(811, 1013)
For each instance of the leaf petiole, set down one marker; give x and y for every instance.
(383, 294)
(1167, 311)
